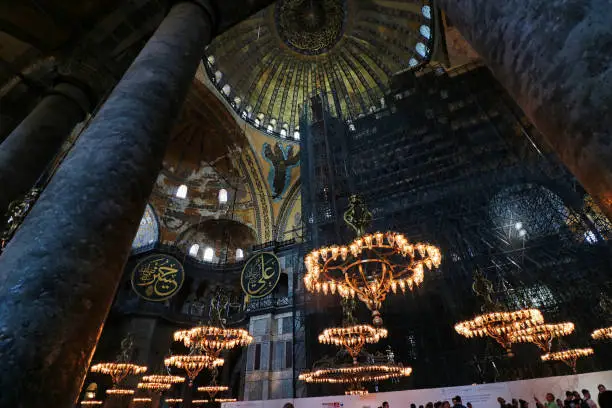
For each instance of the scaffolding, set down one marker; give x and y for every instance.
(448, 158)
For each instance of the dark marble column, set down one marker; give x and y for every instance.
(32, 146)
(59, 273)
(555, 59)
(19, 96)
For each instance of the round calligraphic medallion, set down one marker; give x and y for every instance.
(158, 277)
(260, 275)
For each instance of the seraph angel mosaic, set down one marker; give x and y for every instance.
(282, 160)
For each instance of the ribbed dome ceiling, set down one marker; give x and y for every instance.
(270, 64)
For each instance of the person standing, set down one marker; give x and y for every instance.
(587, 398)
(569, 400)
(605, 399)
(550, 402)
(457, 402)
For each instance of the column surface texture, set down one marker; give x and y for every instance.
(555, 59)
(34, 143)
(59, 273)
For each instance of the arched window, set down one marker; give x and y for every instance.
(413, 62)
(239, 254)
(211, 60)
(296, 135)
(237, 101)
(270, 129)
(208, 254)
(222, 196)
(426, 11)
(283, 133)
(193, 250)
(425, 31)
(218, 76)
(226, 89)
(181, 192)
(422, 49)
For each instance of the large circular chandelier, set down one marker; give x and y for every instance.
(569, 356)
(603, 333)
(370, 267)
(542, 335)
(118, 371)
(500, 325)
(352, 338)
(212, 340)
(356, 374)
(193, 363)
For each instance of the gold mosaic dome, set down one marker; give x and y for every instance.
(269, 66)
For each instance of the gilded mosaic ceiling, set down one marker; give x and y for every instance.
(268, 66)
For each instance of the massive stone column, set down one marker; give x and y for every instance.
(19, 95)
(555, 59)
(31, 147)
(59, 273)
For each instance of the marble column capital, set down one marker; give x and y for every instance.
(79, 94)
(87, 74)
(205, 5)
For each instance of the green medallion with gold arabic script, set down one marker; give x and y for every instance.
(158, 277)
(260, 275)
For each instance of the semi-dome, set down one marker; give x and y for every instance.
(268, 66)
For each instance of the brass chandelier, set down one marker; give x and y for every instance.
(352, 338)
(356, 374)
(370, 266)
(213, 390)
(213, 340)
(602, 334)
(141, 400)
(119, 392)
(569, 356)
(163, 379)
(356, 389)
(118, 371)
(209, 340)
(154, 386)
(193, 363)
(501, 326)
(495, 323)
(542, 335)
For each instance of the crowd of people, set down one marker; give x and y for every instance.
(573, 399)
(456, 403)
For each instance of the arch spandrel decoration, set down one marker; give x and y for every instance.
(148, 231)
